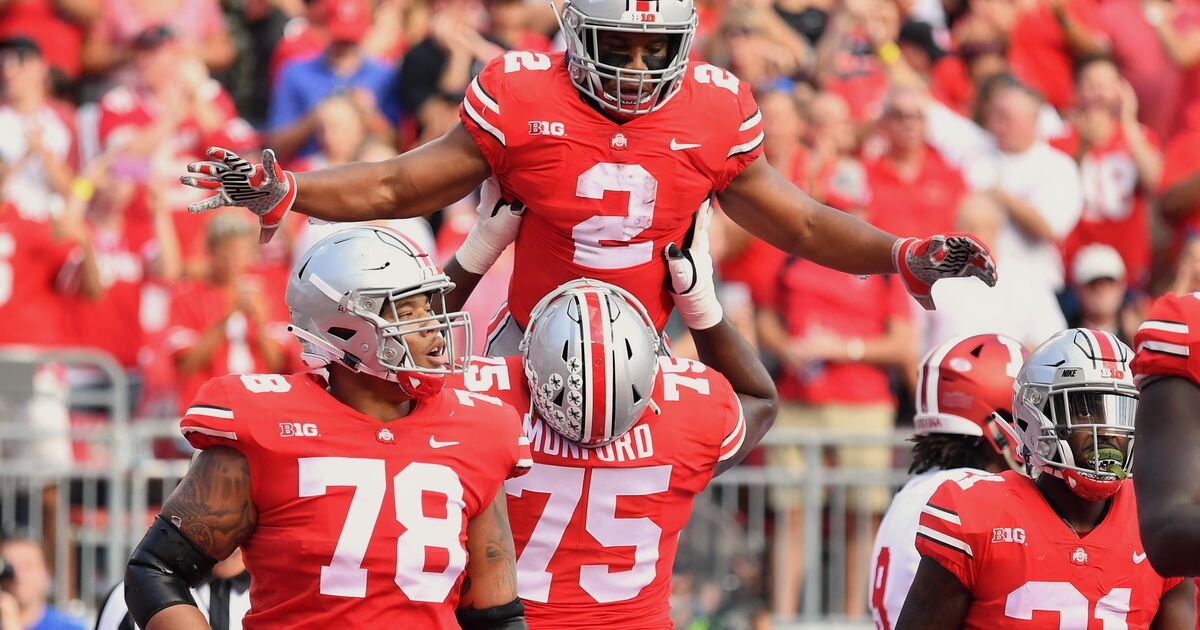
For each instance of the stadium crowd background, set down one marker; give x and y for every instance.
(1065, 133)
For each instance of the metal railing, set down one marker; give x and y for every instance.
(92, 511)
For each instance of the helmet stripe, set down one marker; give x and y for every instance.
(1107, 350)
(599, 379)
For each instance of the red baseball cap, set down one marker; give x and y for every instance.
(346, 20)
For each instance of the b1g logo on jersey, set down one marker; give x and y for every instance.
(1008, 535)
(546, 128)
(297, 429)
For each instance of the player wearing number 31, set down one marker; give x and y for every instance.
(1061, 550)
(611, 146)
(366, 500)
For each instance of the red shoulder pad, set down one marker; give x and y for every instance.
(948, 531)
(489, 111)
(211, 419)
(1166, 343)
(707, 395)
(744, 133)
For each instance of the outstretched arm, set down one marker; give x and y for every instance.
(410, 185)
(208, 515)
(1168, 474)
(488, 599)
(771, 207)
(765, 203)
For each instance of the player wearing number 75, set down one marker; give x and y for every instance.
(611, 146)
(1061, 550)
(367, 498)
(623, 440)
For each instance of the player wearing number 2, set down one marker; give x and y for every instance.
(964, 385)
(623, 440)
(1061, 550)
(367, 500)
(611, 146)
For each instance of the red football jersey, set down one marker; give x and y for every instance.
(603, 199)
(596, 529)
(1165, 343)
(358, 521)
(1026, 569)
(31, 265)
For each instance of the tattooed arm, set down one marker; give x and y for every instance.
(488, 598)
(214, 511)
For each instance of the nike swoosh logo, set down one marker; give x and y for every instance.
(1138, 557)
(675, 146)
(433, 443)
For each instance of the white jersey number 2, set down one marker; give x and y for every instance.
(598, 240)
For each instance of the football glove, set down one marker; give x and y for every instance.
(264, 189)
(922, 262)
(497, 221)
(691, 275)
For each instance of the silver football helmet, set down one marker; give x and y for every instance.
(342, 297)
(582, 21)
(1079, 378)
(591, 361)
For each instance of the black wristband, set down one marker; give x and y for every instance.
(510, 616)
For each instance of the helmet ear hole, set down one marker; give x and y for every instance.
(628, 350)
(566, 350)
(345, 334)
(558, 400)
(637, 396)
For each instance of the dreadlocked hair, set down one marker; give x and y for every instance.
(945, 451)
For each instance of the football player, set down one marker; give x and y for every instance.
(1061, 550)
(370, 496)
(623, 440)
(963, 386)
(1168, 480)
(612, 146)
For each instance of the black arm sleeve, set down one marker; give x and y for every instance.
(510, 616)
(161, 570)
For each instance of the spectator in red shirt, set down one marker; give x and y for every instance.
(1143, 60)
(128, 259)
(222, 324)
(1119, 164)
(57, 26)
(199, 24)
(836, 336)
(1179, 197)
(835, 175)
(164, 118)
(913, 190)
(1048, 38)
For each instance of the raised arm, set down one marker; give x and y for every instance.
(488, 600)
(412, 184)
(208, 515)
(769, 206)
(497, 221)
(1168, 474)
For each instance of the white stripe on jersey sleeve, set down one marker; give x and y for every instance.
(483, 97)
(733, 442)
(1168, 327)
(483, 124)
(945, 539)
(229, 435)
(210, 412)
(1165, 348)
(942, 514)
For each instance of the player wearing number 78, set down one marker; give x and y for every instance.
(611, 146)
(1062, 550)
(363, 499)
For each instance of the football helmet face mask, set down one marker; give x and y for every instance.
(591, 361)
(1074, 409)
(965, 385)
(346, 295)
(583, 21)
